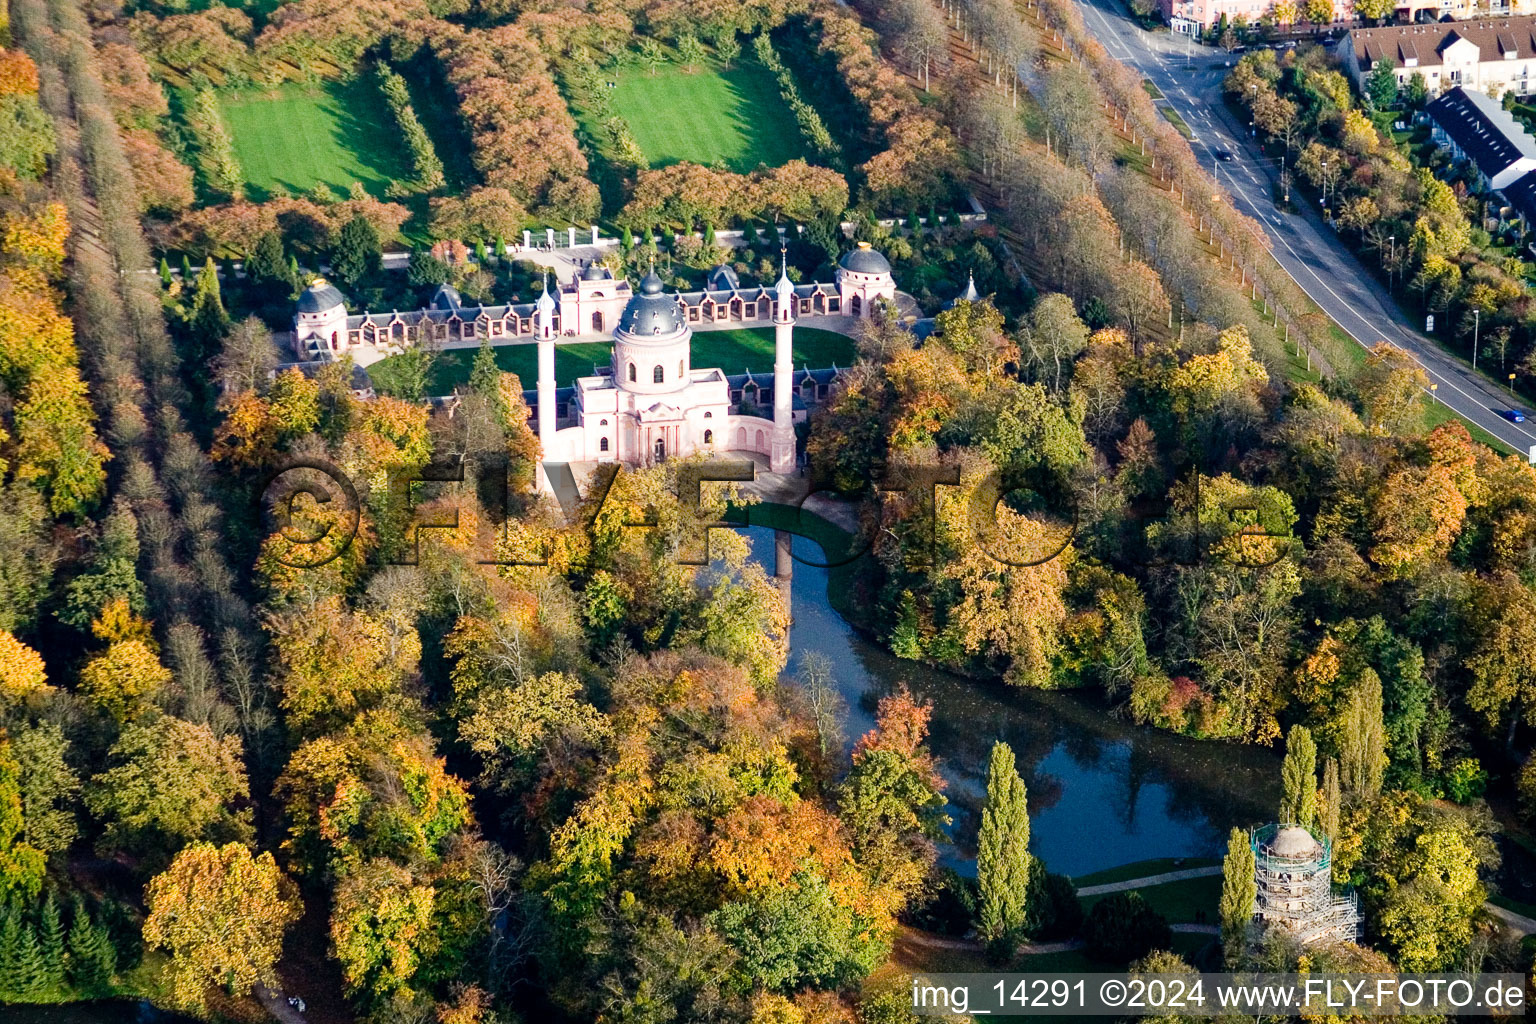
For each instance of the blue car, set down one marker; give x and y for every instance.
(1514, 415)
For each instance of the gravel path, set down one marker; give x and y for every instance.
(1139, 883)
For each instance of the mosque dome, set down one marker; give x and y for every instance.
(651, 312)
(1295, 843)
(320, 297)
(596, 272)
(446, 297)
(865, 260)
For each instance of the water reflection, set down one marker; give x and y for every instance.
(1102, 792)
(105, 1011)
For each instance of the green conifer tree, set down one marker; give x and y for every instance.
(485, 378)
(31, 969)
(1002, 859)
(92, 957)
(267, 267)
(1239, 891)
(358, 251)
(11, 983)
(186, 270)
(481, 256)
(1298, 779)
(626, 238)
(50, 940)
(748, 234)
(207, 318)
(165, 273)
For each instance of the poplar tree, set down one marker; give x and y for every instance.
(1298, 779)
(1363, 748)
(1333, 798)
(1239, 891)
(1002, 858)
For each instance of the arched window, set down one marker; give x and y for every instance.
(656, 375)
(708, 415)
(679, 369)
(602, 423)
(709, 437)
(602, 444)
(741, 437)
(631, 372)
(759, 440)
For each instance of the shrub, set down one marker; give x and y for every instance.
(424, 159)
(1122, 927)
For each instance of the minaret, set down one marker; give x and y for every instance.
(782, 459)
(547, 425)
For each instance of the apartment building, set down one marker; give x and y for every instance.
(1491, 55)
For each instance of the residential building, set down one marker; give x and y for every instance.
(1492, 55)
(1477, 130)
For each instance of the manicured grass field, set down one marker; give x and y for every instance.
(735, 351)
(298, 136)
(1177, 901)
(751, 348)
(732, 116)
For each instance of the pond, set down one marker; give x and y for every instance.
(1102, 791)
(104, 1011)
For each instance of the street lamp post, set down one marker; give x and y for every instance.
(1392, 265)
(1477, 317)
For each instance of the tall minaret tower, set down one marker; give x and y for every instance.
(782, 459)
(547, 423)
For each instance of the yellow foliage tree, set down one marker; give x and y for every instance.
(221, 914)
(124, 680)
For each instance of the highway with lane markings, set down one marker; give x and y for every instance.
(1189, 77)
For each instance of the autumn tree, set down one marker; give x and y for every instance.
(1391, 386)
(1502, 664)
(221, 915)
(168, 782)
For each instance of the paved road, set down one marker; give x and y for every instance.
(1189, 77)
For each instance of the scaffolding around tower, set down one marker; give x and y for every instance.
(1293, 871)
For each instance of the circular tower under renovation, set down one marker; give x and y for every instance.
(1293, 869)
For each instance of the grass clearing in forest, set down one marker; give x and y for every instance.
(300, 135)
(733, 116)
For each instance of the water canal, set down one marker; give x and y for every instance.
(1102, 791)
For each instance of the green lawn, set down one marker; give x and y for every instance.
(730, 116)
(751, 348)
(735, 351)
(298, 136)
(1177, 901)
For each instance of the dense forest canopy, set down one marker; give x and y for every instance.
(453, 752)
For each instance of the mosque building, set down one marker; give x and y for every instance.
(651, 403)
